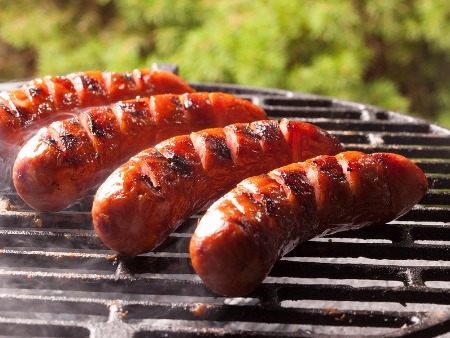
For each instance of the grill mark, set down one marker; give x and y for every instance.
(127, 77)
(242, 220)
(24, 116)
(250, 132)
(148, 182)
(178, 164)
(296, 182)
(161, 165)
(268, 131)
(69, 143)
(138, 109)
(104, 128)
(126, 107)
(210, 149)
(70, 97)
(175, 99)
(245, 130)
(270, 207)
(263, 199)
(92, 85)
(253, 139)
(330, 169)
(249, 222)
(48, 139)
(221, 150)
(68, 140)
(95, 128)
(35, 91)
(218, 147)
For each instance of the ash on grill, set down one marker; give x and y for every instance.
(57, 279)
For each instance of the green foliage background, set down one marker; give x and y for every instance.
(394, 54)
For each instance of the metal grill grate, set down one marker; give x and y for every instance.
(57, 279)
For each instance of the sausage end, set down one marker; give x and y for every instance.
(226, 258)
(407, 182)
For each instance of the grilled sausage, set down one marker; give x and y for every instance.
(243, 234)
(60, 163)
(148, 197)
(41, 100)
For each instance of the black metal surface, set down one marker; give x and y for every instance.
(57, 279)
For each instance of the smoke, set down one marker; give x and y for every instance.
(8, 154)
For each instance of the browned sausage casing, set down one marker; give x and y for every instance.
(144, 200)
(62, 162)
(41, 100)
(244, 233)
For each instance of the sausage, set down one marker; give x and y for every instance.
(245, 232)
(46, 99)
(62, 162)
(147, 198)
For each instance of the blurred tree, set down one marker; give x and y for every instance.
(15, 63)
(394, 54)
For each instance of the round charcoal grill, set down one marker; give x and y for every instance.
(57, 279)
